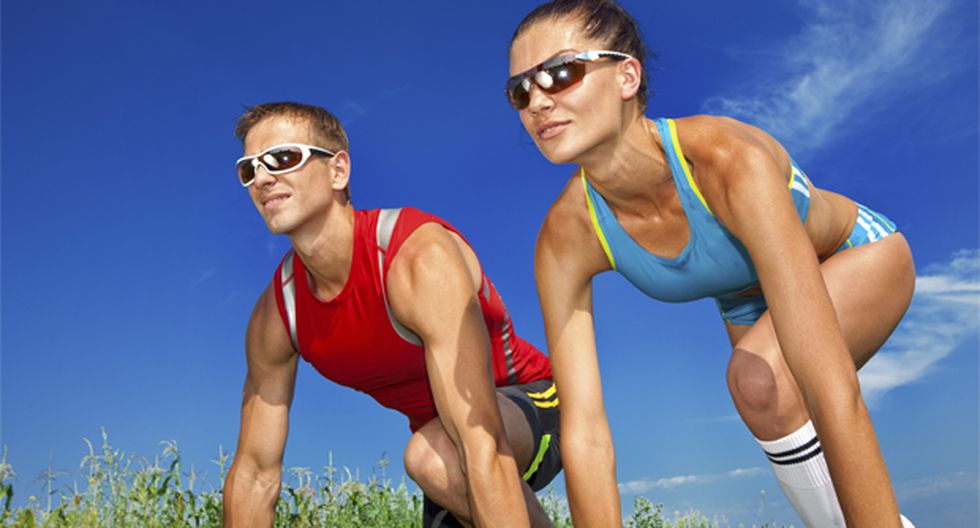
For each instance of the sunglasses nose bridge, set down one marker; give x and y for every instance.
(538, 98)
(256, 165)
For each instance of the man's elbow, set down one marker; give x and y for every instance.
(250, 483)
(480, 457)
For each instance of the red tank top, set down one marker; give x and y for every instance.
(351, 340)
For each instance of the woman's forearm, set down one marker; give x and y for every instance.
(590, 477)
(854, 458)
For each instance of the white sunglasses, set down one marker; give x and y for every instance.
(279, 159)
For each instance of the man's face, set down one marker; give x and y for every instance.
(290, 200)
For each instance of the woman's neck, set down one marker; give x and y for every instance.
(632, 168)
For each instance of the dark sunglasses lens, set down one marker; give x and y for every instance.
(282, 158)
(519, 97)
(564, 75)
(246, 172)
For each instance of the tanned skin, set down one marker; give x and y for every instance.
(819, 328)
(469, 457)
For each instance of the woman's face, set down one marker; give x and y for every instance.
(566, 126)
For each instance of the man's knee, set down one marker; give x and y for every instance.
(431, 458)
(752, 382)
(422, 463)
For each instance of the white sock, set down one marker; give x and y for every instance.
(802, 472)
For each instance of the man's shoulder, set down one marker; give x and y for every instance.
(267, 332)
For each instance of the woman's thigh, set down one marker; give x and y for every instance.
(870, 287)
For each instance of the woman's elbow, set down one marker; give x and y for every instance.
(836, 401)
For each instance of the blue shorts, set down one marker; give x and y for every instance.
(869, 227)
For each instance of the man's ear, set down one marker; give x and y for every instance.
(341, 170)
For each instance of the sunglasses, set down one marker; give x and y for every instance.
(279, 159)
(554, 75)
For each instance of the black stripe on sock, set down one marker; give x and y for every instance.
(796, 460)
(793, 451)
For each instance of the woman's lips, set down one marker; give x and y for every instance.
(551, 129)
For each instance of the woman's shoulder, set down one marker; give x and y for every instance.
(729, 159)
(567, 229)
(719, 137)
(569, 214)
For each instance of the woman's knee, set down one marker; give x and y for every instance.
(752, 383)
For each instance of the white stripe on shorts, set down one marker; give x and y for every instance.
(874, 223)
(872, 236)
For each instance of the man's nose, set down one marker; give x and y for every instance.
(262, 176)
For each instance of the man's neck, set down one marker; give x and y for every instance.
(327, 248)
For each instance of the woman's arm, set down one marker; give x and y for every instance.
(744, 175)
(566, 259)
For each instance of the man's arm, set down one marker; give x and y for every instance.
(432, 291)
(253, 483)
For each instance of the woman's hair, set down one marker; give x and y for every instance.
(602, 20)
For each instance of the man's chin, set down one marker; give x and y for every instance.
(278, 227)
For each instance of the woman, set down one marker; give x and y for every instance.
(706, 207)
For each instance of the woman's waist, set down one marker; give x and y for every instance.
(830, 222)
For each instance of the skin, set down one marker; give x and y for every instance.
(469, 457)
(798, 362)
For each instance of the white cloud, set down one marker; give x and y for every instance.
(203, 277)
(351, 111)
(635, 487)
(945, 312)
(960, 482)
(849, 57)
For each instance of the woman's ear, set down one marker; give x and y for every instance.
(630, 78)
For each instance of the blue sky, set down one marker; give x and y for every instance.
(131, 256)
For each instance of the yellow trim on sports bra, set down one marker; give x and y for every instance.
(687, 170)
(595, 223)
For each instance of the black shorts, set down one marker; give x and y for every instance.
(539, 403)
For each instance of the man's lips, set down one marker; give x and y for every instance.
(274, 200)
(551, 129)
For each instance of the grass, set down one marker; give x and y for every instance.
(122, 491)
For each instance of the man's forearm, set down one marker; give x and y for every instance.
(250, 500)
(495, 494)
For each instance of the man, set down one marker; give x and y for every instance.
(392, 303)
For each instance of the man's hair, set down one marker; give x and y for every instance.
(601, 20)
(326, 128)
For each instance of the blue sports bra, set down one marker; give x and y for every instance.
(713, 264)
